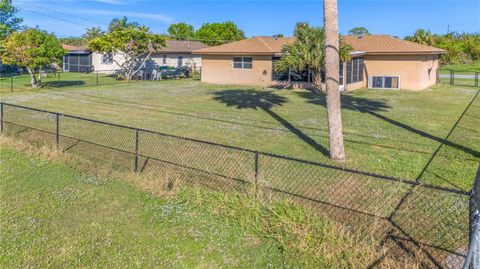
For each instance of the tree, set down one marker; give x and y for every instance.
(278, 36)
(73, 40)
(359, 31)
(121, 23)
(422, 37)
(214, 34)
(332, 63)
(132, 45)
(181, 31)
(307, 52)
(91, 33)
(33, 49)
(8, 22)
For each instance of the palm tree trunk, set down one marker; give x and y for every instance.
(332, 59)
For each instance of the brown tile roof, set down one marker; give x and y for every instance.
(74, 48)
(384, 44)
(371, 44)
(255, 45)
(183, 46)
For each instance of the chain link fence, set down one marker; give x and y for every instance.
(21, 81)
(427, 223)
(473, 255)
(465, 78)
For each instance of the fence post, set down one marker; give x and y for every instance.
(452, 77)
(11, 83)
(476, 79)
(256, 172)
(1, 118)
(136, 151)
(96, 77)
(57, 132)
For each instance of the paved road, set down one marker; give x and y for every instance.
(458, 76)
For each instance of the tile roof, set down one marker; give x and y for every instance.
(254, 45)
(384, 44)
(370, 44)
(74, 48)
(183, 46)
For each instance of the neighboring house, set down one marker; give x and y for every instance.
(378, 61)
(177, 53)
(77, 59)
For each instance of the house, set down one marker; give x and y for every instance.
(378, 61)
(77, 59)
(176, 53)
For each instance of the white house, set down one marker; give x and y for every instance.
(177, 53)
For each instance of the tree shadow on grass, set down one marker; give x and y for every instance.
(373, 107)
(61, 83)
(252, 99)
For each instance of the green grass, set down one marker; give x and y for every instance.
(463, 68)
(56, 80)
(51, 215)
(396, 133)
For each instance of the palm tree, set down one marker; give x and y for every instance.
(91, 33)
(307, 52)
(332, 62)
(422, 37)
(121, 23)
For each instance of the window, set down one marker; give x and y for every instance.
(78, 62)
(340, 81)
(242, 62)
(384, 82)
(164, 61)
(107, 58)
(354, 70)
(180, 61)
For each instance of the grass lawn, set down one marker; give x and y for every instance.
(396, 133)
(56, 80)
(462, 68)
(51, 215)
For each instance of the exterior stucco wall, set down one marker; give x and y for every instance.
(219, 69)
(416, 72)
(156, 60)
(413, 70)
(106, 68)
(190, 60)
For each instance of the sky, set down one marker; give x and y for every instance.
(255, 17)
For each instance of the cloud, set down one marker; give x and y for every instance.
(119, 13)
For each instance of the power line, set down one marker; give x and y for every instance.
(63, 13)
(57, 18)
(91, 25)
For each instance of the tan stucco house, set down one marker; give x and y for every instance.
(378, 61)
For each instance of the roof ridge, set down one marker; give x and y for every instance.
(265, 43)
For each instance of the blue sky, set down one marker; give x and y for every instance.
(255, 17)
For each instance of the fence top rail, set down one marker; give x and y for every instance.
(278, 156)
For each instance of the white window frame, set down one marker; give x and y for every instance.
(243, 63)
(370, 82)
